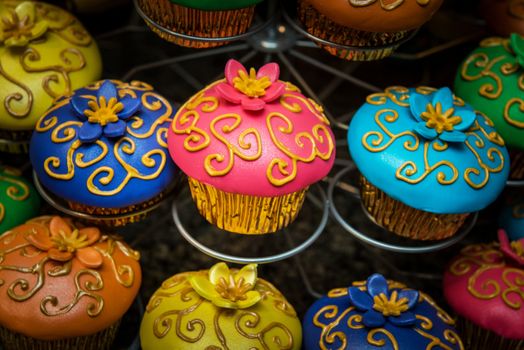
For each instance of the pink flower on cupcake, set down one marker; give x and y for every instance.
(513, 250)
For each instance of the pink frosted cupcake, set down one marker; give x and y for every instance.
(251, 146)
(485, 287)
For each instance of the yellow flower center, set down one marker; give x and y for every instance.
(103, 112)
(231, 290)
(390, 307)
(438, 120)
(518, 248)
(249, 84)
(69, 243)
(16, 27)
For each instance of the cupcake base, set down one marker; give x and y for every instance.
(99, 341)
(406, 221)
(477, 338)
(15, 141)
(245, 214)
(516, 171)
(194, 22)
(322, 27)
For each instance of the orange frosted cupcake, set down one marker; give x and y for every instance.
(64, 286)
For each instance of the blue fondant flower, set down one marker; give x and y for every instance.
(381, 305)
(517, 44)
(104, 114)
(438, 117)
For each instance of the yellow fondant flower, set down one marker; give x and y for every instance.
(19, 26)
(226, 288)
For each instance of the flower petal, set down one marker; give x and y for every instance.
(224, 303)
(108, 90)
(89, 132)
(229, 93)
(274, 91)
(204, 287)
(248, 273)
(26, 9)
(361, 300)
(231, 71)
(445, 97)
(40, 240)
(468, 116)
(373, 319)
(80, 104)
(92, 234)
(270, 70)
(453, 136)
(58, 226)
(16, 42)
(218, 271)
(517, 44)
(116, 129)
(425, 132)
(418, 104)
(253, 104)
(131, 106)
(89, 257)
(38, 30)
(405, 319)
(57, 255)
(252, 297)
(377, 285)
(507, 250)
(411, 295)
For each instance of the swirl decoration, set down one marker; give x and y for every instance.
(330, 318)
(480, 66)
(60, 24)
(16, 190)
(481, 261)
(446, 172)
(317, 143)
(87, 281)
(191, 329)
(101, 180)
(386, 5)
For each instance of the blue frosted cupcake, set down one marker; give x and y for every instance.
(104, 150)
(378, 315)
(427, 160)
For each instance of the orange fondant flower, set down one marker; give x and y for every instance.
(63, 242)
(18, 27)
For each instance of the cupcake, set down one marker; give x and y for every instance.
(374, 29)
(503, 16)
(484, 286)
(491, 79)
(219, 309)
(426, 160)
(378, 314)
(251, 146)
(63, 285)
(19, 200)
(44, 53)
(104, 150)
(203, 19)
(511, 217)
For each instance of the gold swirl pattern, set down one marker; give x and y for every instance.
(330, 317)
(186, 322)
(386, 5)
(482, 260)
(281, 170)
(481, 66)
(379, 140)
(100, 181)
(60, 24)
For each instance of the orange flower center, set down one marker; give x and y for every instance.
(103, 112)
(232, 290)
(518, 248)
(390, 307)
(16, 27)
(249, 85)
(437, 119)
(70, 242)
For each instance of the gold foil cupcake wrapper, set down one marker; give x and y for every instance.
(323, 28)
(404, 220)
(98, 341)
(194, 22)
(243, 213)
(516, 171)
(475, 337)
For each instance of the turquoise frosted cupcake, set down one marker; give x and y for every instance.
(427, 160)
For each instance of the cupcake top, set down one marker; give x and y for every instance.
(511, 217)
(429, 150)
(59, 279)
(19, 200)
(44, 53)
(504, 16)
(491, 79)
(252, 134)
(378, 314)
(216, 5)
(378, 15)
(484, 285)
(219, 309)
(105, 146)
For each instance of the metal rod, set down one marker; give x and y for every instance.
(188, 77)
